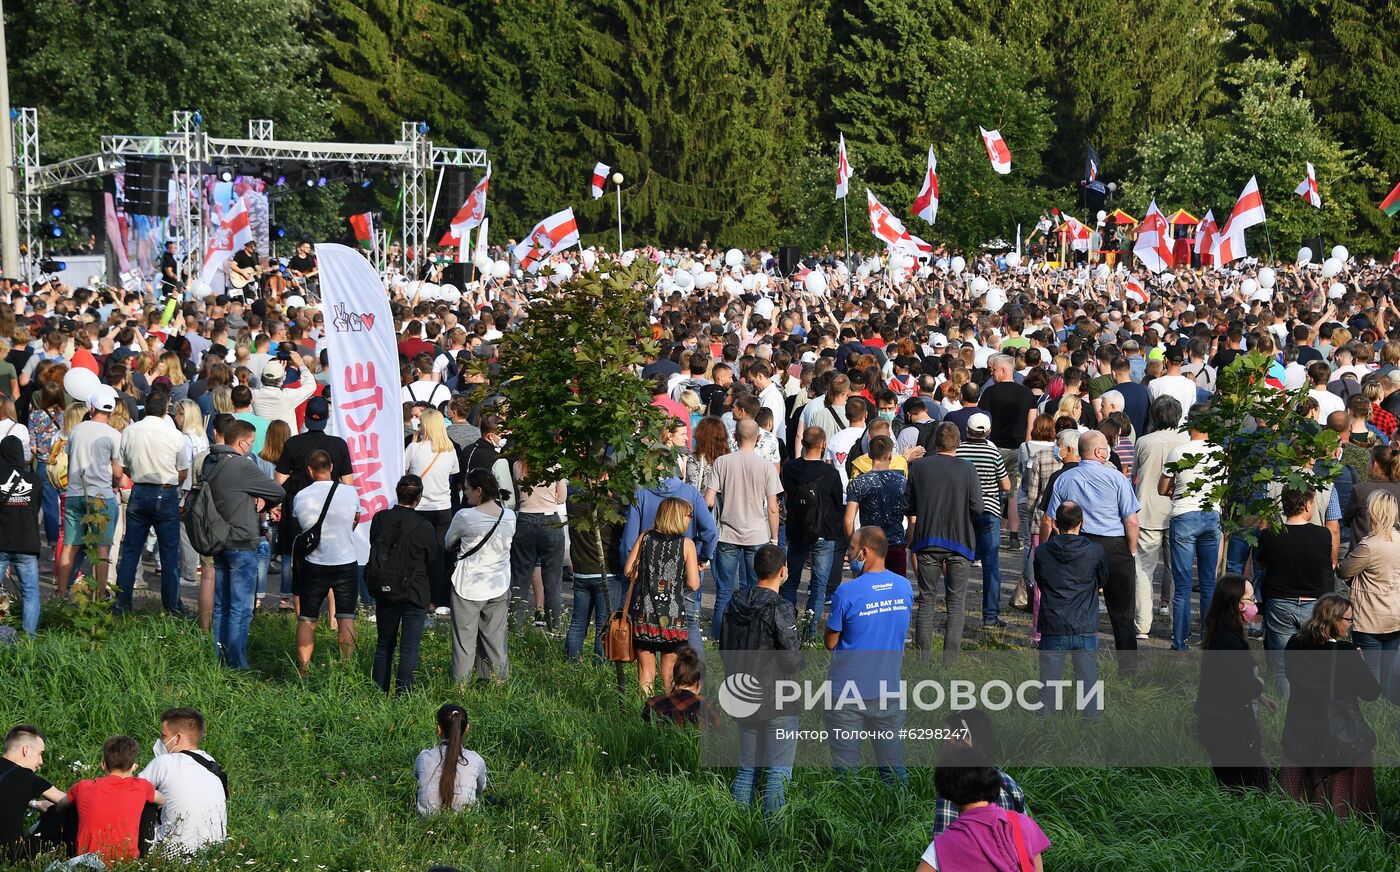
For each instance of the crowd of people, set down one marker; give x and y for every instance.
(893, 437)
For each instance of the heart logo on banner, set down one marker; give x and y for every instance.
(369, 321)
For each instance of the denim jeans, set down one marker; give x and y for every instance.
(767, 746)
(151, 506)
(594, 596)
(1085, 651)
(1195, 536)
(27, 568)
(987, 526)
(820, 551)
(539, 539)
(1380, 650)
(235, 580)
(935, 564)
(889, 751)
(264, 564)
(1283, 618)
(1237, 552)
(733, 566)
(49, 502)
(400, 625)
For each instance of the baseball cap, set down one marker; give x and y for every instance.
(104, 399)
(273, 373)
(938, 340)
(318, 411)
(979, 423)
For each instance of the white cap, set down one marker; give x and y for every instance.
(104, 399)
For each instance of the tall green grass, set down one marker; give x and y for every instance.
(322, 777)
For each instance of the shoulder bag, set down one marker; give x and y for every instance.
(1018, 838)
(308, 540)
(617, 636)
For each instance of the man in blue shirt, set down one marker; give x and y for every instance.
(1110, 519)
(865, 632)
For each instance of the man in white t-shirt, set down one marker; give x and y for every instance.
(1327, 402)
(1195, 528)
(333, 567)
(195, 813)
(1173, 383)
(426, 388)
(840, 446)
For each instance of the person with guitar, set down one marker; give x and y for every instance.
(303, 268)
(244, 268)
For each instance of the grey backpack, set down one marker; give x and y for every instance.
(208, 531)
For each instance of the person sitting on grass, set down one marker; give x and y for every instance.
(109, 808)
(972, 728)
(985, 837)
(194, 785)
(683, 706)
(449, 776)
(22, 788)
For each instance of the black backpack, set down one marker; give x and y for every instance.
(807, 510)
(926, 430)
(387, 574)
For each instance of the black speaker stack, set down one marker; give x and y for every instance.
(147, 186)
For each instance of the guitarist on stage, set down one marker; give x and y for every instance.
(243, 269)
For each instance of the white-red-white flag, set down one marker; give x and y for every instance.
(600, 178)
(232, 234)
(912, 244)
(473, 209)
(1133, 290)
(1078, 232)
(887, 228)
(1205, 236)
(555, 233)
(1307, 189)
(843, 170)
(996, 150)
(926, 205)
(1249, 210)
(1153, 246)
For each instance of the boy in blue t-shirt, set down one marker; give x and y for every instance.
(865, 631)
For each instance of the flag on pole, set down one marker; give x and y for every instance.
(912, 244)
(471, 213)
(481, 239)
(1153, 246)
(1078, 232)
(1133, 290)
(600, 177)
(363, 225)
(887, 228)
(1249, 210)
(1396, 257)
(996, 150)
(555, 233)
(1307, 189)
(843, 170)
(1091, 162)
(1205, 236)
(232, 234)
(1391, 204)
(926, 205)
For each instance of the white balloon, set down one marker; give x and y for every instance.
(696, 267)
(1340, 253)
(1331, 267)
(500, 269)
(909, 261)
(1104, 272)
(996, 298)
(1013, 259)
(863, 270)
(764, 308)
(1267, 277)
(450, 295)
(683, 281)
(1305, 256)
(1248, 287)
(80, 383)
(979, 285)
(760, 282)
(959, 264)
(1337, 291)
(729, 285)
(733, 257)
(706, 279)
(628, 256)
(483, 263)
(749, 282)
(815, 282)
(588, 259)
(1102, 216)
(200, 291)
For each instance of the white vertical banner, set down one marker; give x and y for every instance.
(364, 377)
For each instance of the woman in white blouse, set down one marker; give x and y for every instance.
(10, 425)
(432, 456)
(481, 536)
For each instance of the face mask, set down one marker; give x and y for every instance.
(857, 566)
(159, 749)
(887, 416)
(1249, 611)
(415, 425)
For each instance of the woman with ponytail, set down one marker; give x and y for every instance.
(449, 776)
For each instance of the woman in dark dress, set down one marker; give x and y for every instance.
(1227, 722)
(1327, 744)
(661, 563)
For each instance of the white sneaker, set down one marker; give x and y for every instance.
(1142, 637)
(1163, 611)
(442, 611)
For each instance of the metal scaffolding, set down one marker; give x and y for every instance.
(193, 154)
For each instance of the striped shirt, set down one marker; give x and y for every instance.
(991, 469)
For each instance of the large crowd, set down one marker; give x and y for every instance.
(882, 423)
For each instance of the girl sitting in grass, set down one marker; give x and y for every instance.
(449, 776)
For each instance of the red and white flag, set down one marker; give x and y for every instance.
(555, 233)
(1396, 257)
(1205, 236)
(926, 206)
(887, 228)
(1249, 210)
(600, 177)
(1078, 232)
(473, 209)
(1307, 189)
(843, 170)
(996, 150)
(912, 244)
(1133, 290)
(1153, 246)
(232, 234)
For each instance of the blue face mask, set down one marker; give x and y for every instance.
(887, 416)
(857, 566)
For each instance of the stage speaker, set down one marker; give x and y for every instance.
(788, 257)
(455, 188)
(456, 274)
(147, 186)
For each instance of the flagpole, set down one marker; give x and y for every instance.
(432, 211)
(617, 186)
(1267, 236)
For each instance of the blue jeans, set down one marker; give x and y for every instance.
(733, 566)
(151, 506)
(1237, 552)
(1283, 618)
(889, 751)
(763, 747)
(27, 568)
(1380, 651)
(235, 585)
(264, 564)
(589, 601)
(987, 526)
(1085, 651)
(49, 497)
(1194, 536)
(820, 551)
